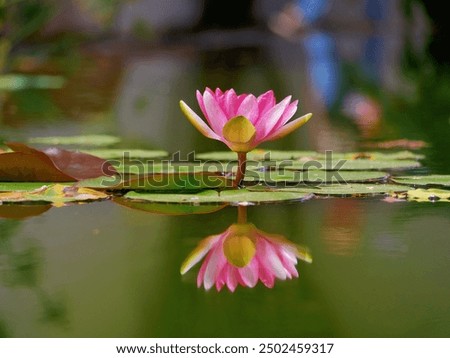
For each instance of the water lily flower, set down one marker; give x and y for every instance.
(243, 121)
(243, 255)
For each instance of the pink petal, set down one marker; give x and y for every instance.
(232, 280)
(218, 92)
(265, 102)
(201, 104)
(266, 122)
(197, 122)
(201, 272)
(287, 115)
(230, 103)
(266, 277)
(249, 108)
(221, 277)
(249, 273)
(268, 255)
(289, 127)
(217, 118)
(196, 255)
(288, 264)
(216, 262)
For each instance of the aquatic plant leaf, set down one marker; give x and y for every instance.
(176, 181)
(226, 196)
(104, 182)
(426, 180)
(169, 209)
(340, 189)
(127, 153)
(51, 164)
(257, 154)
(266, 154)
(398, 143)
(57, 194)
(313, 176)
(22, 211)
(174, 167)
(427, 195)
(91, 140)
(347, 164)
(21, 186)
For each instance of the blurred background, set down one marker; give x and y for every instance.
(373, 72)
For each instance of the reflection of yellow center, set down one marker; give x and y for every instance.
(239, 250)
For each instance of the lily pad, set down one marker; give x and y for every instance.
(103, 182)
(182, 181)
(357, 164)
(169, 209)
(52, 164)
(266, 154)
(94, 140)
(257, 154)
(227, 196)
(56, 194)
(342, 189)
(434, 180)
(176, 181)
(20, 186)
(127, 154)
(314, 176)
(427, 195)
(381, 156)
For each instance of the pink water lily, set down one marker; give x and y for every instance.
(243, 121)
(243, 255)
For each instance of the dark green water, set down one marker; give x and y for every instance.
(102, 270)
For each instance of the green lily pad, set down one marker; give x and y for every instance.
(266, 154)
(438, 180)
(176, 181)
(162, 167)
(97, 140)
(258, 155)
(127, 154)
(169, 209)
(427, 195)
(381, 156)
(56, 194)
(103, 182)
(20, 186)
(346, 164)
(226, 196)
(342, 189)
(314, 176)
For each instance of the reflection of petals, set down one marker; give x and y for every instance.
(274, 258)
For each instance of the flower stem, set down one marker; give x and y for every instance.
(242, 162)
(242, 214)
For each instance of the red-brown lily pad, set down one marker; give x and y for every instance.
(50, 165)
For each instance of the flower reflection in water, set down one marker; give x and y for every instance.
(242, 255)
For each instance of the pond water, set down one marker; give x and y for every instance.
(378, 269)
